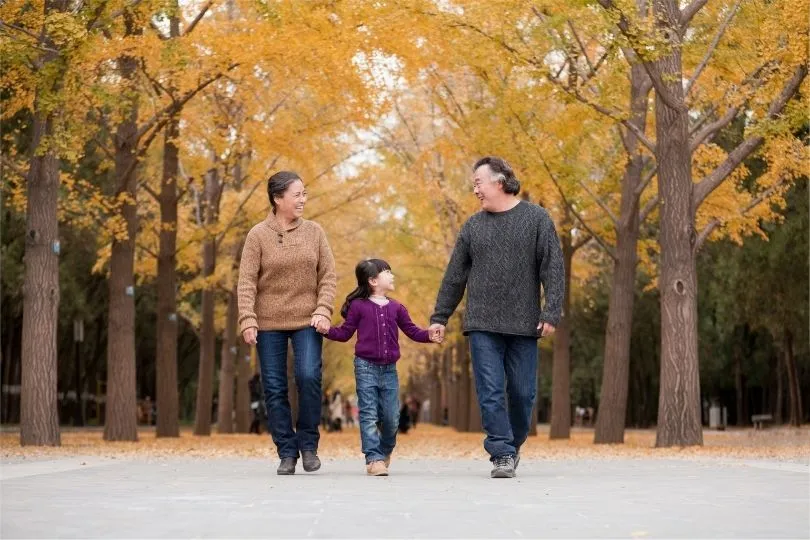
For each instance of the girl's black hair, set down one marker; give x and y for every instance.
(364, 271)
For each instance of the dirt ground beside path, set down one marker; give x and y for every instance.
(426, 441)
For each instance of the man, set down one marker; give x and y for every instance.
(503, 254)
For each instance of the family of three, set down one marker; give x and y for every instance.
(503, 255)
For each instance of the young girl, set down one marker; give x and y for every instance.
(377, 320)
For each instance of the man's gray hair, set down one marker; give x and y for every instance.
(502, 172)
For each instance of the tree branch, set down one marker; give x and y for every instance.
(198, 18)
(712, 47)
(600, 202)
(613, 115)
(660, 89)
(648, 208)
(609, 250)
(704, 188)
(689, 12)
(714, 223)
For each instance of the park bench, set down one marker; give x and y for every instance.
(759, 420)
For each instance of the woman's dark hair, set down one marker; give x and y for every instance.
(364, 271)
(502, 172)
(278, 184)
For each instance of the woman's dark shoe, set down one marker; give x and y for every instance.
(287, 466)
(311, 460)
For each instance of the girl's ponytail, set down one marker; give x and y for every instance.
(364, 271)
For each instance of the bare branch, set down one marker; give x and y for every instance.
(704, 188)
(600, 202)
(689, 12)
(609, 250)
(613, 115)
(198, 18)
(37, 39)
(648, 208)
(712, 47)
(591, 68)
(582, 242)
(646, 181)
(709, 131)
(116, 14)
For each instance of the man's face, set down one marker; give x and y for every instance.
(485, 187)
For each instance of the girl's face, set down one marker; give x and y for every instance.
(383, 283)
(291, 204)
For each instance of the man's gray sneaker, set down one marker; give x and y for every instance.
(311, 460)
(504, 467)
(287, 466)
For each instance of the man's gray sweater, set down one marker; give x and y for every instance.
(502, 258)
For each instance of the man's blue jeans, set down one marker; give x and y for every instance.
(505, 370)
(271, 347)
(377, 401)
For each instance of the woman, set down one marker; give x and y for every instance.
(286, 289)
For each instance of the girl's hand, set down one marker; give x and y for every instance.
(249, 335)
(321, 324)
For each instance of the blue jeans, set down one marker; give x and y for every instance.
(507, 362)
(377, 400)
(271, 347)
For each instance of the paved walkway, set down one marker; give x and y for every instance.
(93, 497)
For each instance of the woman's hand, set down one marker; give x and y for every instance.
(321, 324)
(249, 335)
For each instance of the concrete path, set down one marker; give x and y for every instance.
(91, 497)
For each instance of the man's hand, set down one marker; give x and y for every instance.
(544, 329)
(321, 324)
(249, 335)
(436, 332)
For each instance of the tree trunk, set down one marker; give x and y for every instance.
(561, 368)
(463, 356)
(39, 415)
(612, 411)
(227, 368)
(243, 375)
(205, 385)
(679, 399)
(168, 406)
(292, 386)
(121, 405)
(739, 385)
(793, 381)
(778, 417)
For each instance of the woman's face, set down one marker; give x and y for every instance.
(291, 203)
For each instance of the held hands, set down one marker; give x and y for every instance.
(249, 335)
(544, 329)
(321, 324)
(436, 332)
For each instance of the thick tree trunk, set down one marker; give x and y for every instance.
(168, 406)
(243, 375)
(228, 360)
(121, 419)
(39, 415)
(794, 388)
(435, 388)
(679, 399)
(612, 412)
(561, 367)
